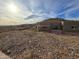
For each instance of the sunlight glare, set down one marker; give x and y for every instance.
(13, 8)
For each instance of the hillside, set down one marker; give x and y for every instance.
(50, 20)
(24, 44)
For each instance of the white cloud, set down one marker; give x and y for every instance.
(41, 8)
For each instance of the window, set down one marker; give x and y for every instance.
(73, 27)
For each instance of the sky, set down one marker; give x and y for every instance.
(13, 12)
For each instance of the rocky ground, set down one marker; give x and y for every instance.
(25, 44)
(3, 56)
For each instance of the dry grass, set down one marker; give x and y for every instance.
(25, 44)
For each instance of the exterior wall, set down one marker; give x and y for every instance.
(63, 26)
(71, 26)
(52, 27)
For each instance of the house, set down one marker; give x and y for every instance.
(71, 26)
(50, 25)
(58, 25)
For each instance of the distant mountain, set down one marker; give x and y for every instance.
(57, 19)
(16, 27)
(51, 20)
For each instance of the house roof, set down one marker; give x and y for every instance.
(72, 22)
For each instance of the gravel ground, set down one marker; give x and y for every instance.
(26, 44)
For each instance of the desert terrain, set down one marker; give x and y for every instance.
(27, 44)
